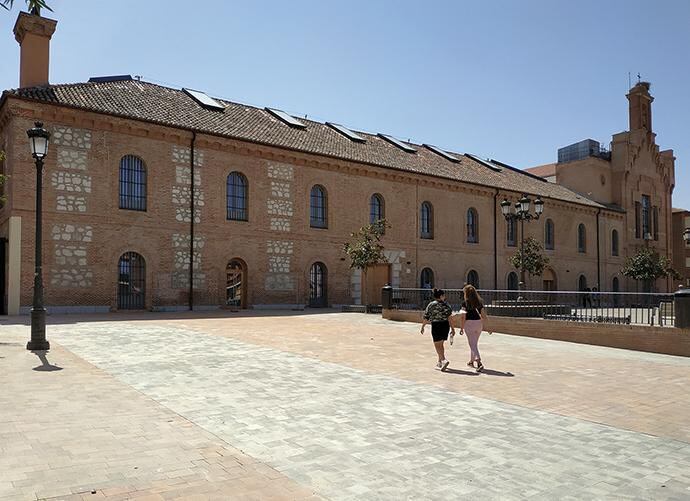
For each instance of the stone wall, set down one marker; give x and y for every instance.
(279, 207)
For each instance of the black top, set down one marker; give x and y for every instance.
(472, 313)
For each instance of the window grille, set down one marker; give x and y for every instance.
(237, 197)
(132, 183)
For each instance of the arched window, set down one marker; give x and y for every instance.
(615, 285)
(549, 235)
(614, 243)
(318, 207)
(318, 283)
(426, 220)
(582, 283)
(427, 279)
(377, 210)
(237, 197)
(581, 238)
(131, 282)
(473, 278)
(511, 232)
(472, 225)
(132, 183)
(513, 281)
(655, 223)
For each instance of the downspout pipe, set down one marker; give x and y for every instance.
(598, 254)
(495, 240)
(191, 221)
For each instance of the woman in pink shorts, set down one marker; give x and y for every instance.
(473, 319)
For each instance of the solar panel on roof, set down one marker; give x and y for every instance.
(288, 119)
(347, 132)
(110, 78)
(204, 100)
(443, 153)
(403, 146)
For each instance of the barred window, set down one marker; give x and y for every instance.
(581, 238)
(237, 197)
(549, 235)
(132, 183)
(511, 232)
(646, 217)
(655, 222)
(318, 213)
(614, 243)
(638, 220)
(472, 225)
(426, 220)
(376, 208)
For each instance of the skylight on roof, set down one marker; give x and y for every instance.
(403, 146)
(353, 136)
(204, 100)
(486, 163)
(443, 153)
(287, 119)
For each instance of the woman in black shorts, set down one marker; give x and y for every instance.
(438, 313)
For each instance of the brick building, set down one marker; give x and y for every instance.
(149, 190)
(681, 248)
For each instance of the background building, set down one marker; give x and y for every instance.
(681, 248)
(159, 198)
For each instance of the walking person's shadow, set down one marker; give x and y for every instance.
(45, 366)
(488, 372)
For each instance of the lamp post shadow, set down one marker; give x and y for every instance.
(45, 366)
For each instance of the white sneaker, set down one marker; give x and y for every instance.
(438, 366)
(444, 364)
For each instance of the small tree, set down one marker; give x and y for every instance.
(366, 249)
(33, 6)
(533, 260)
(647, 266)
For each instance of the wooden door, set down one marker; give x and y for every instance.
(375, 278)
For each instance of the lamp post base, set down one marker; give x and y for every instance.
(38, 331)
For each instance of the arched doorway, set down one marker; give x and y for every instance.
(549, 280)
(473, 278)
(513, 281)
(582, 283)
(426, 279)
(615, 285)
(318, 286)
(131, 282)
(236, 284)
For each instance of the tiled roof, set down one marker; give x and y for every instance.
(546, 170)
(172, 107)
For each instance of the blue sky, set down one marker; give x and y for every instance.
(511, 80)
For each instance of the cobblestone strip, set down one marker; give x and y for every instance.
(350, 434)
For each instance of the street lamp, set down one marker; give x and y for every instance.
(38, 142)
(522, 214)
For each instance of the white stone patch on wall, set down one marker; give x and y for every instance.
(280, 189)
(69, 136)
(70, 255)
(69, 158)
(180, 277)
(71, 277)
(181, 155)
(279, 264)
(279, 247)
(280, 224)
(356, 286)
(180, 196)
(280, 171)
(183, 175)
(70, 181)
(394, 257)
(72, 233)
(70, 203)
(280, 207)
(279, 282)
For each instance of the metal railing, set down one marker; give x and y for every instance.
(629, 308)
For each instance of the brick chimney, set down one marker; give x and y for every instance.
(640, 107)
(33, 33)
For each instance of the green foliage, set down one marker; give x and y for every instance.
(33, 6)
(648, 265)
(534, 260)
(365, 249)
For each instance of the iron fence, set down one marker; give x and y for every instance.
(630, 308)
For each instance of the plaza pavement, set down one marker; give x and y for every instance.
(341, 406)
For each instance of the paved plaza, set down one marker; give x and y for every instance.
(270, 405)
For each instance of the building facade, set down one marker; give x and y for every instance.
(681, 248)
(162, 198)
